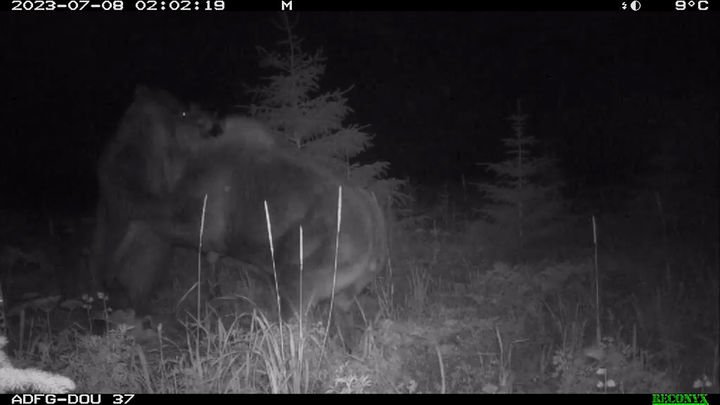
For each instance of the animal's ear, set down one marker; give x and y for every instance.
(160, 98)
(142, 90)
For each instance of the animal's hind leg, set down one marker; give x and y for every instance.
(139, 261)
(212, 280)
(345, 320)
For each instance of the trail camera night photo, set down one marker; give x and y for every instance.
(222, 201)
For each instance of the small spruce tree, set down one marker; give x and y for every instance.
(292, 105)
(523, 201)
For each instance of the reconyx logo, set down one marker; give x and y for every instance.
(677, 399)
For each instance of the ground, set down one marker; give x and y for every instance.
(452, 313)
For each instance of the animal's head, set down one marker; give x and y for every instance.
(157, 135)
(184, 124)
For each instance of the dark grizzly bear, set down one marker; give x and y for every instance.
(237, 182)
(239, 170)
(137, 171)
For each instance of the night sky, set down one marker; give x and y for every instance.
(435, 89)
